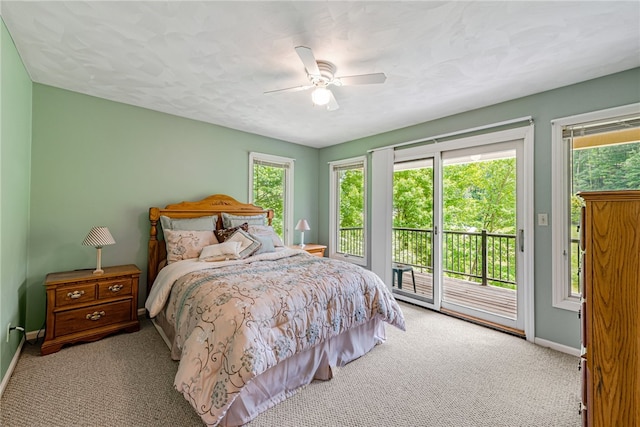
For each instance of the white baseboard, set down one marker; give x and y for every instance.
(559, 347)
(12, 366)
(31, 336)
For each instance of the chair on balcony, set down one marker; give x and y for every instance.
(398, 271)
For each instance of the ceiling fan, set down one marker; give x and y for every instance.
(322, 74)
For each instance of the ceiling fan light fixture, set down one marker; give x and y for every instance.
(321, 96)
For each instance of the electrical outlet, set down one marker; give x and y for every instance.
(8, 331)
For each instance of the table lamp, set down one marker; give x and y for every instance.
(99, 237)
(302, 226)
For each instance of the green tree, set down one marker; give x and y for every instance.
(413, 198)
(351, 205)
(351, 198)
(268, 192)
(607, 167)
(477, 196)
(480, 196)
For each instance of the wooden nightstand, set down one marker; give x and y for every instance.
(317, 250)
(82, 306)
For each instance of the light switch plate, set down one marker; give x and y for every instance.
(543, 219)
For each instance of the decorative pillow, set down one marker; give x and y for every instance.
(229, 220)
(266, 231)
(224, 234)
(248, 244)
(193, 224)
(220, 252)
(184, 244)
(266, 244)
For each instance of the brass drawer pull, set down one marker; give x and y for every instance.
(115, 288)
(75, 294)
(96, 315)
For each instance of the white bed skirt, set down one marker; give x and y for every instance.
(283, 380)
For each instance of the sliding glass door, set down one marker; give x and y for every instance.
(458, 227)
(481, 251)
(413, 228)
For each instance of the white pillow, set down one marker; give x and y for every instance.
(230, 221)
(266, 244)
(201, 223)
(266, 231)
(221, 252)
(248, 244)
(183, 244)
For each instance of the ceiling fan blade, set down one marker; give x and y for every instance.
(290, 89)
(363, 79)
(309, 61)
(333, 104)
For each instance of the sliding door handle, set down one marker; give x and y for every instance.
(521, 239)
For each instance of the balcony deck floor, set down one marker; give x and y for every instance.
(495, 300)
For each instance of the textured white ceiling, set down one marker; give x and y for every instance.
(213, 60)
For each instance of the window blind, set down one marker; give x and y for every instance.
(348, 166)
(592, 128)
(622, 130)
(270, 164)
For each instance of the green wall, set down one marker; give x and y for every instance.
(15, 152)
(560, 326)
(98, 162)
(71, 161)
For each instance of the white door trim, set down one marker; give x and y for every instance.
(526, 135)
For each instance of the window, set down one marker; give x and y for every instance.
(348, 210)
(271, 187)
(592, 152)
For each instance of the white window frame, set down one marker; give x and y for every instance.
(560, 176)
(287, 164)
(333, 210)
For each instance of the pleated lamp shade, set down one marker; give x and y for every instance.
(99, 237)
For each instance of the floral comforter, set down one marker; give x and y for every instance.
(235, 320)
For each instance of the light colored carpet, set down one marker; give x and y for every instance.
(441, 372)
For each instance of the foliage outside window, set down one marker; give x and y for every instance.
(601, 152)
(271, 188)
(479, 199)
(601, 159)
(412, 233)
(479, 204)
(348, 201)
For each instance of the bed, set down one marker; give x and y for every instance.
(250, 320)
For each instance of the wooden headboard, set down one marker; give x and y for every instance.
(212, 205)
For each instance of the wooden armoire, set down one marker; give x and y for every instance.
(611, 309)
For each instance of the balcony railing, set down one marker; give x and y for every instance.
(351, 241)
(483, 257)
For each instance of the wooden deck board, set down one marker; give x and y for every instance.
(500, 301)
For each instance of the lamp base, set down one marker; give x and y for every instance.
(98, 269)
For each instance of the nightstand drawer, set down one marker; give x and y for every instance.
(75, 294)
(82, 319)
(114, 288)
